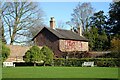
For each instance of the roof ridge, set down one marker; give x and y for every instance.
(64, 34)
(63, 29)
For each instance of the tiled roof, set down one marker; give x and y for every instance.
(64, 34)
(17, 52)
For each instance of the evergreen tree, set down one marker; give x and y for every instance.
(34, 55)
(114, 18)
(48, 55)
(97, 32)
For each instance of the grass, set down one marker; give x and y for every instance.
(60, 72)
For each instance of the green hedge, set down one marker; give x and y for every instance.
(101, 62)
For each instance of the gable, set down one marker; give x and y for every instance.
(49, 35)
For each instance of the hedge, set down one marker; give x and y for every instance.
(101, 62)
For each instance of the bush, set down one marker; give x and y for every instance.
(48, 55)
(101, 62)
(5, 52)
(59, 62)
(33, 55)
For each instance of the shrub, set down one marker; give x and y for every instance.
(34, 55)
(101, 62)
(5, 52)
(48, 55)
(59, 62)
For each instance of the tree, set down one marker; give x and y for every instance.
(1, 26)
(101, 41)
(61, 24)
(99, 20)
(48, 55)
(5, 52)
(81, 15)
(0, 50)
(114, 17)
(34, 55)
(97, 32)
(18, 18)
(92, 35)
(115, 44)
(115, 49)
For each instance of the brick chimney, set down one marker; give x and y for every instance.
(52, 23)
(80, 30)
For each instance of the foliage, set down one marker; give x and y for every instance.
(92, 35)
(18, 18)
(115, 47)
(5, 52)
(36, 55)
(101, 62)
(48, 55)
(33, 55)
(97, 32)
(2, 33)
(115, 44)
(101, 42)
(114, 17)
(98, 28)
(0, 50)
(99, 21)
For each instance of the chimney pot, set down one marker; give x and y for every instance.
(80, 30)
(52, 23)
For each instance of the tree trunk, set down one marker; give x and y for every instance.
(44, 63)
(34, 64)
(12, 39)
(15, 27)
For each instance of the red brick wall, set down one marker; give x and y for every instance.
(72, 45)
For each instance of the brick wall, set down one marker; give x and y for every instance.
(72, 45)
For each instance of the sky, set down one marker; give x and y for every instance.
(62, 11)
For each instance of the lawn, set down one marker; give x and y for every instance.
(60, 72)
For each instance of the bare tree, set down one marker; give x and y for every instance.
(2, 37)
(81, 15)
(71, 25)
(18, 18)
(61, 24)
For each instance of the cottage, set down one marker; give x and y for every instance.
(62, 42)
